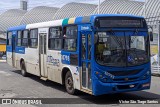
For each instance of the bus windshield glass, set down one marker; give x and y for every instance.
(121, 51)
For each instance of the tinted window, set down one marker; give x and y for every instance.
(70, 38)
(9, 41)
(25, 38)
(19, 39)
(33, 40)
(55, 40)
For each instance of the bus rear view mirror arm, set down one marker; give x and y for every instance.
(150, 33)
(151, 36)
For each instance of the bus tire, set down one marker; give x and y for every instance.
(69, 83)
(23, 69)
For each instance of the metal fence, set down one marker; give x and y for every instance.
(155, 69)
(154, 22)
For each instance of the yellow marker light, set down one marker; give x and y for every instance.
(97, 73)
(71, 20)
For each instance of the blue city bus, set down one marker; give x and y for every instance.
(97, 54)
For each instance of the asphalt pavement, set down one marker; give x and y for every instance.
(13, 85)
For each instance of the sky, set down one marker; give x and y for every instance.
(15, 4)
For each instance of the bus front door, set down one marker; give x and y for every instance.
(86, 81)
(42, 54)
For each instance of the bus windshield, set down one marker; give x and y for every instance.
(121, 51)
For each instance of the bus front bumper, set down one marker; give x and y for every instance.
(100, 88)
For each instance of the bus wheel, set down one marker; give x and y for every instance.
(23, 69)
(69, 83)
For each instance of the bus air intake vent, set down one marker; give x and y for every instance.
(125, 73)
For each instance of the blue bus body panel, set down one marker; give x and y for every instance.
(16, 28)
(9, 48)
(78, 20)
(20, 49)
(14, 36)
(99, 87)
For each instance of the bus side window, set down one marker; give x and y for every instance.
(25, 38)
(55, 39)
(70, 38)
(9, 39)
(19, 38)
(33, 38)
(64, 32)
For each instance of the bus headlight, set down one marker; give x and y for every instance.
(101, 76)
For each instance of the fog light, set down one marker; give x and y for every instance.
(97, 73)
(146, 85)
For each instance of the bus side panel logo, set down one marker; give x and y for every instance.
(53, 61)
(65, 58)
(20, 50)
(85, 28)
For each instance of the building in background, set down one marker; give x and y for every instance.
(15, 17)
(120, 7)
(151, 12)
(23, 4)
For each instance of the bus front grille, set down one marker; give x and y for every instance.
(125, 73)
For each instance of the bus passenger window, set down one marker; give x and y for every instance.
(55, 40)
(33, 40)
(9, 41)
(70, 38)
(25, 38)
(19, 40)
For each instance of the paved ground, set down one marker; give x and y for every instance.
(13, 85)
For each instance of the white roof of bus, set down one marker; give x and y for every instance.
(45, 24)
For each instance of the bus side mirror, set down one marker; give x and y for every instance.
(151, 36)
